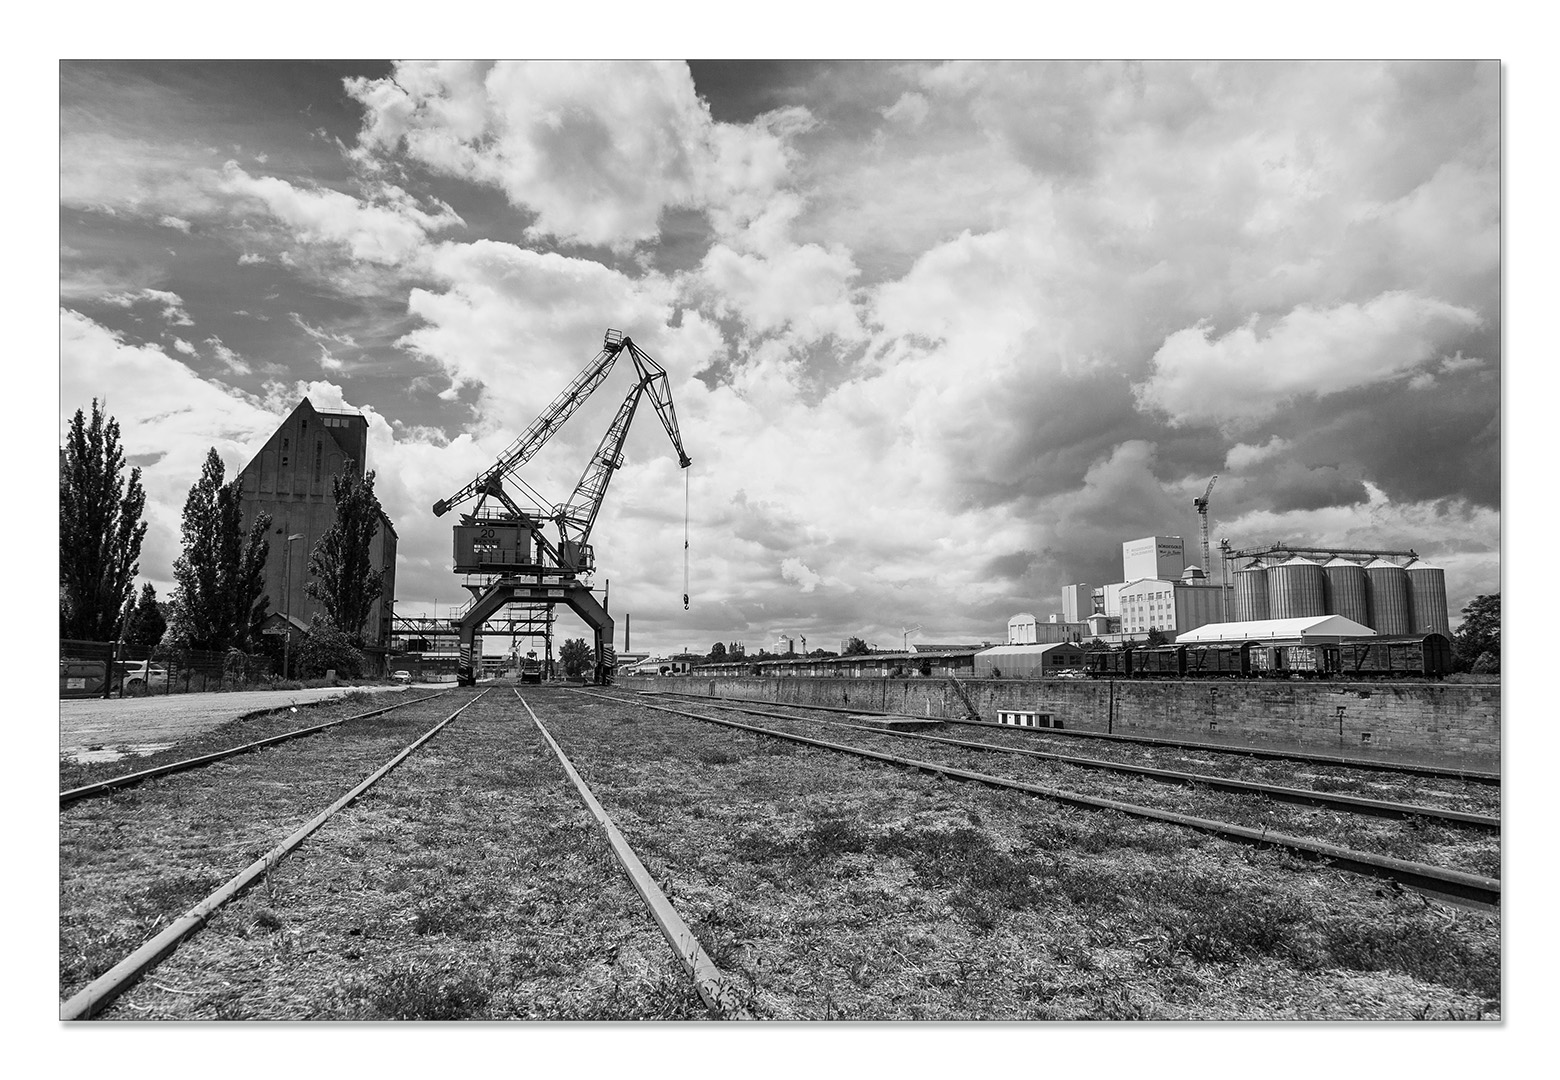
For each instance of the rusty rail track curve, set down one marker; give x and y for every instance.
(100, 993)
(713, 985)
(1473, 776)
(1354, 804)
(103, 787)
(1435, 880)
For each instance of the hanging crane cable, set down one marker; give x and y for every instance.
(685, 539)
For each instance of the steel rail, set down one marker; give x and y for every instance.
(1474, 776)
(713, 984)
(1435, 879)
(103, 787)
(98, 994)
(1351, 803)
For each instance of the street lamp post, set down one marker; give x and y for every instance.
(287, 606)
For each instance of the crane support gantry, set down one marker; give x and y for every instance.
(517, 563)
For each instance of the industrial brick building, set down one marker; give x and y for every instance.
(290, 479)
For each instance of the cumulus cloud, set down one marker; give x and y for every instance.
(596, 151)
(231, 360)
(911, 109)
(1245, 455)
(172, 304)
(798, 572)
(387, 231)
(1248, 373)
(992, 318)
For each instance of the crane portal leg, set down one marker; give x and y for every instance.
(466, 666)
(577, 596)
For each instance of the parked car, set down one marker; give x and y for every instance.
(138, 679)
(401, 676)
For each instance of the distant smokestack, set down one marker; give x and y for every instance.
(628, 633)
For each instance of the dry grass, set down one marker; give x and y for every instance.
(1417, 840)
(843, 888)
(471, 884)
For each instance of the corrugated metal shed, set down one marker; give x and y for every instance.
(1023, 661)
(1297, 630)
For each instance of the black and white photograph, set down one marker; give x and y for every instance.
(623, 540)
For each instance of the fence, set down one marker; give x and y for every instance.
(112, 669)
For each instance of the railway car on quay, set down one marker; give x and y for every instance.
(1428, 656)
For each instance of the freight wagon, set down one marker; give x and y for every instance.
(1429, 656)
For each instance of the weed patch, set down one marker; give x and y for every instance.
(413, 992)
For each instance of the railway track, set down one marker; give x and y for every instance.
(1302, 796)
(104, 787)
(1468, 888)
(1472, 776)
(101, 991)
(714, 986)
(719, 995)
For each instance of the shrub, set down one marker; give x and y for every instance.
(326, 648)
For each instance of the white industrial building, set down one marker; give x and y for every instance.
(1077, 602)
(1025, 629)
(1301, 631)
(1159, 557)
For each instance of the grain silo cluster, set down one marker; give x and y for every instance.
(1392, 598)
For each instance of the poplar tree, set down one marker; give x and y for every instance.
(220, 575)
(146, 624)
(100, 529)
(342, 576)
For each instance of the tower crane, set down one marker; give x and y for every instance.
(506, 545)
(1202, 512)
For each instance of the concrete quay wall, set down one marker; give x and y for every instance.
(1452, 721)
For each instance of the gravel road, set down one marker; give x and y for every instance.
(114, 727)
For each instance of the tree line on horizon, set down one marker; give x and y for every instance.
(218, 602)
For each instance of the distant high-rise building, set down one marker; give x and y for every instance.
(290, 479)
(1077, 602)
(1159, 557)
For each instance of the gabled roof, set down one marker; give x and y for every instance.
(1028, 648)
(1315, 626)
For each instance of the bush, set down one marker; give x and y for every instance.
(324, 649)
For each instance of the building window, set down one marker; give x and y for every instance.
(319, 453)
(284, 451)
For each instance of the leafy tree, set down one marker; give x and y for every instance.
(856, 647)
(577, 657)
(146, 623)
(326, 648)
(1479, 634)
(1156, 637)
(221, 573)
(100, 529)
(718, 651)
(343, 577)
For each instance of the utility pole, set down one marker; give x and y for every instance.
(287, 605)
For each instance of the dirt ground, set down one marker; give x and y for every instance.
(95, 725)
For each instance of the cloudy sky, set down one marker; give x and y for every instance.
(940, 336)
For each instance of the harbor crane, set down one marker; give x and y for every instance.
(1202, 511)
(503, 542)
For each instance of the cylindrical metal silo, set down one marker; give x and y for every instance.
(1389, 599)
(1295, 589)
(1251, 592)
(1427, 599)
(1348, 593)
